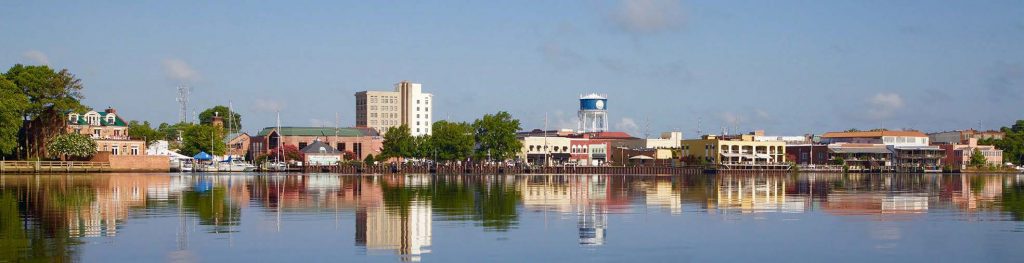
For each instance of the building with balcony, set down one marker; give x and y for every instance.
(733, 150)
(910, 150)
(108, 130)
(408, 104)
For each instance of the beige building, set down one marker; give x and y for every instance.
(729, 150)
(668, 140)
(108, 130)
(407, 104)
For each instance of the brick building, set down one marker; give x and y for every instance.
(360, 141)
(108, 130)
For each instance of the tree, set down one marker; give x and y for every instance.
(496, 136)
(452, 140)
(232, 120)
(14, 103)
(49, 93)
(203, 138)
(422, 147)
(143, 131)
(287, 153)
(71, 144)
(398, 142)
(978, 159)
(1012, 143)
(47, 89)
(369, 159)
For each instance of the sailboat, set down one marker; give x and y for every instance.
(232, 164)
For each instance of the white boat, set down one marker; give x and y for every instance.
(234, 165)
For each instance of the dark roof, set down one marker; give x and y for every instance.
(319, 131)
(316, 146)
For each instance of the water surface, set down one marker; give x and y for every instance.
(613, 218)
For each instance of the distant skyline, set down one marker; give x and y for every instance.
(788, 67)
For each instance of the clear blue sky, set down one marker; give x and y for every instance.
(789, 67)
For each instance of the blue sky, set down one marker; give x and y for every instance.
(789, 67)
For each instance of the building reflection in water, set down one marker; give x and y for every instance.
(46, 217)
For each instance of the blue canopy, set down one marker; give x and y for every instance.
(202, 156)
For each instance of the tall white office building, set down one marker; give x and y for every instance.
(408, 104)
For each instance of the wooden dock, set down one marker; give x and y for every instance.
(27, 167)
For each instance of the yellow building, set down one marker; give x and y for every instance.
(729, 150)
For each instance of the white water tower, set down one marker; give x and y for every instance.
(593, 114)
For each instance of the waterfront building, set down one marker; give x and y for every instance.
(568, 147)
(958, 156)
(407, 104)
(910, 150)
(237, 145)
(962, 136)
(859, 157)
(108, 130)
(320, 153)
(667, 140)
(360, 141)
(735, 150)
(807, 153)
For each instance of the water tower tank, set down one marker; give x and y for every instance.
(593, 113)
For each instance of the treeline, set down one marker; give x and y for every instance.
(491, 137)
(189, 138)
(1012, 144)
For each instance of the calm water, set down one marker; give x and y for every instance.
(277, 218)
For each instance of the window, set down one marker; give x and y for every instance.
(96, 132)
(417, 108)
(302, 145)
(135, 150)
(341, 146)
(417, 101)
(113, 150)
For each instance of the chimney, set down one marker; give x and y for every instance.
(111, 110)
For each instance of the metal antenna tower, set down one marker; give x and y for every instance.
(183, 93)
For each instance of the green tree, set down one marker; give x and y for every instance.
(203, 138)
(422, 146)
(398, 142)
(496, 136)
(977, 159)
(143, 131)
(369, 159)
(232, 120)
(1012, 143)
(452, 140)
(71, 144)
(47, 91)
(14, 105)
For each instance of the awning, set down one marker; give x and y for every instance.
(641, 157)
(202, 156)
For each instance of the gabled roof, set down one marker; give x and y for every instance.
(316, 146)
(232, 136)
(319, 131)
(872, 134)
